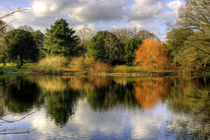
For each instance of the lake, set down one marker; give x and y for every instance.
(72, 107)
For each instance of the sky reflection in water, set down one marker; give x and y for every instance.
(107, 108)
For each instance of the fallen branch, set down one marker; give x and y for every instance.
(16, 132)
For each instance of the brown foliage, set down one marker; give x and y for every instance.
(148, 93)
(100, 67)
(100, 81)
(152, 55)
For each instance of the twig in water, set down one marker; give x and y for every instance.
(8, 121)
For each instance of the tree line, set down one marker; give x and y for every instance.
(186, 47)
(60, 39)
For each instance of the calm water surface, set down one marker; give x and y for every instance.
(65, 107)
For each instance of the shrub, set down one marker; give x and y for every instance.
(52, 64)
(100, 67)
(81, 63)
(89, 61)
(77, 63)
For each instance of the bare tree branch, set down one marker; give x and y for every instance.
(12, 12)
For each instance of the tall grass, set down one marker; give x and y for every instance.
(81, 63)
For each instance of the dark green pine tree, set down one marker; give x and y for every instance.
(61, 40)
(130, 48)
(105, 47)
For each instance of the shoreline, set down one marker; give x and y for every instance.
(111, 74)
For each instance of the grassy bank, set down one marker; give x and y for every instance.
(127, 69)
(11, 68)
(116, 71)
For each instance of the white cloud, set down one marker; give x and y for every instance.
(98, 10)
(139, 13)
(175, 5)
(145, 9)
(86, 123)
(93, 27)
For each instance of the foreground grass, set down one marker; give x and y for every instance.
(127, 69)
(11, 67)
(29, 67)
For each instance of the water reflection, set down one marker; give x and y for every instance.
(79, 83)
(21, 95)
(101, 81)
(149, 92)
(190, 96)
(60, 105)
(51, 83)
(59, 98)
(102, 98)
(95, 107)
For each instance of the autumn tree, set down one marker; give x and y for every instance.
(152, 55)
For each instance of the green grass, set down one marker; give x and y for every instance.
(28, 67)
(124, 68)
(11, 67)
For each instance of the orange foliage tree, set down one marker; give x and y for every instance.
(152, 55)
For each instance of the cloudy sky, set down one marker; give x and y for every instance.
(95, 14)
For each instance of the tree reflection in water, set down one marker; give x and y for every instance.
(107, 94)
(149, 92)
(61, 105)
(21, 95)
(189, 100)
(100, 81)
(186, 98)
(60, 100)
